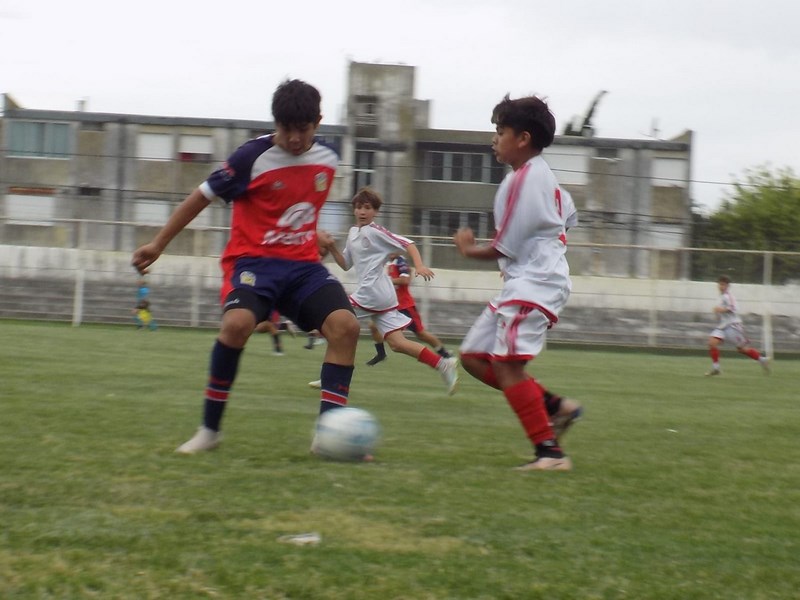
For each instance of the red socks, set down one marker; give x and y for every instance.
(429, 357)
(753, 353)
(527, 402)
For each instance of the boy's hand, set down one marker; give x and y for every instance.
(145, 256)
(463, 239)
(324, 240)
(425, 273)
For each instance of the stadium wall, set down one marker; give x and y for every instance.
(100, 286)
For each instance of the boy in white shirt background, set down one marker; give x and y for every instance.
(367, 248)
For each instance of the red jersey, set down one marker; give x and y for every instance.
(399, 268)
(276, 199)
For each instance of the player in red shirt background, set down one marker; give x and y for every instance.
(400, 273)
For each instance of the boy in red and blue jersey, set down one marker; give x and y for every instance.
(277, 185)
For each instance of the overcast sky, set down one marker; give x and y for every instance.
(729, 71)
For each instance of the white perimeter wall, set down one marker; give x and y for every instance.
(24, 262)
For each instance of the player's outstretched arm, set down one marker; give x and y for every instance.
(187, 210)
(464, 239)
(330, 245)
(419, 266)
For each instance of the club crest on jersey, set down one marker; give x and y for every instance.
(247, 278)
(321, 182)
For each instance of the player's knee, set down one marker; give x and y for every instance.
(473, 365)
(236, 328)
(341, 326)
(396, 343)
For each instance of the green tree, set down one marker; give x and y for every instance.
(761, 213)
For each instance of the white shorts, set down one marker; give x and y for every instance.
(733, 334)
(386, 321)
(511, 332)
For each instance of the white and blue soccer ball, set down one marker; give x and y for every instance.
(346, 434)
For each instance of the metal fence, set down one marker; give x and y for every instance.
(589, 259)
(61, 270)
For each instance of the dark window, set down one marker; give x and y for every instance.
(38, 138)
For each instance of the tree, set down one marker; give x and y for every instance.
(762, 213)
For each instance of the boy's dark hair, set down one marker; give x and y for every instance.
(529, 114)
(724, 279)
(369, 196)
(296, 103)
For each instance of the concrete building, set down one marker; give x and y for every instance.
(124, 174)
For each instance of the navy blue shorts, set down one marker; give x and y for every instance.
(266, 284)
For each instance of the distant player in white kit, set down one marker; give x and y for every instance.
(729, 328)
(530, 248)
(368, 246)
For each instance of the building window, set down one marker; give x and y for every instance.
(443, 223)
(38, 138)
(195, 148)
(461, 166)
(332, 141)
(154, 146)
(93, 126)
(607, 153)
(364, 169)
(25, 209)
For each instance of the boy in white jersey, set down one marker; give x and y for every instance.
(368, 246)
(729, 328)
(530, 248)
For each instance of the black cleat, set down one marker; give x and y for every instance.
(376, 359)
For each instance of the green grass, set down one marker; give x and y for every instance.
(684, 486)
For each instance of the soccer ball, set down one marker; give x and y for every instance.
(346, 434)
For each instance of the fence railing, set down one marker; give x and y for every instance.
(83, 285)
(586, 259)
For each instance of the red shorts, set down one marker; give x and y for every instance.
(416, 321)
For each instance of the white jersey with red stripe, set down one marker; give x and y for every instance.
(276, 198)
(568, 210)
(731, 317)
(531, 236)
(367, 249)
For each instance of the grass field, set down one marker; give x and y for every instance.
(684, 486)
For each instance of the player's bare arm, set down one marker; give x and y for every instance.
(464, 239)
(324, 240)
(336, 254)
(419, 266)
(185, 212)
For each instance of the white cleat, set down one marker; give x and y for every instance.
(205, 439)
(547, 463)
(448, 367)
(765, 364)
(316, 384)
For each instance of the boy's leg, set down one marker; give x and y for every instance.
(447, 367)
(520, 334)
(756, 355)
(713, 352)
(328, 310)
(380, 349)
(237, 325)
(423, 334)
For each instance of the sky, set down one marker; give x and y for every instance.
(729, 71)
